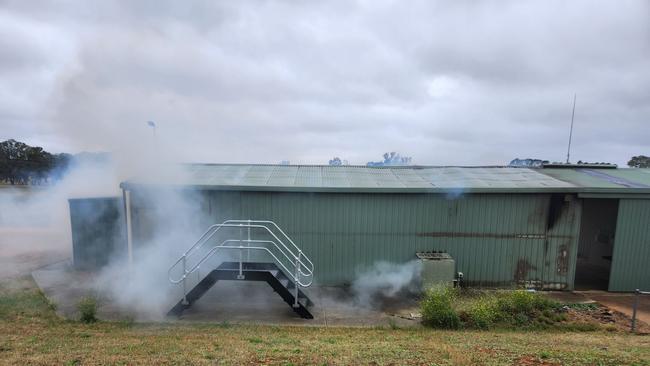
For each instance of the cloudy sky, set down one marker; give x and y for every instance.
(448, 83)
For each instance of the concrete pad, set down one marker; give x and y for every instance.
(242, 302)
(23, 250)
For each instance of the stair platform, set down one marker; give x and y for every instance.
(252, 271)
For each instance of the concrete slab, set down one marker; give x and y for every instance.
(228, 302)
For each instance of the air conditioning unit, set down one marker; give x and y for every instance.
(438, 268)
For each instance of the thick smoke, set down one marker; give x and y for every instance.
(142, 287)
(35, 220)
(386, 280)
(35, 227)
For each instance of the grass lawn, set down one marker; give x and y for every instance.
(31, 333)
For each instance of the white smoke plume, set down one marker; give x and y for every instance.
(35, 220)
(386, 280)
(142, 288)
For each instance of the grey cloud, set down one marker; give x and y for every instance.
(263, 81)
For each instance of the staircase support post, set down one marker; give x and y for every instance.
(240, 276)
(185, 302)
(295, 280)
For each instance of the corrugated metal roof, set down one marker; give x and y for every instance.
(413, 178)
(313, 178)
(603, 178)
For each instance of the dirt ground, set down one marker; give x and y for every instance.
(622, 303)
(615, 309)
(24, 249)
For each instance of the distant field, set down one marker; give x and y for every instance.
(30, 332)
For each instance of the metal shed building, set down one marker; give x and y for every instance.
(549, 228)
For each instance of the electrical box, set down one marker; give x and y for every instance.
(438, 268)
(98, 231)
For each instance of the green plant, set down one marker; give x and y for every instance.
(520, 319)
(483, 312)
(583, 306)
(87, 308)
(392, 324)
(437, 308)
(522, 301)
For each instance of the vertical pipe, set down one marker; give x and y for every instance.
(126, 196)
(636, 304)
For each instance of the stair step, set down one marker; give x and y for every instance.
(268, 272)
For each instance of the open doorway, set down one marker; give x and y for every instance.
(596, 244)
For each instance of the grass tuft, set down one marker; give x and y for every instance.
(87, 308)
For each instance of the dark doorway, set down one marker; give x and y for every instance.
(596, 245)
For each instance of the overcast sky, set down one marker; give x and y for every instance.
(448, 83)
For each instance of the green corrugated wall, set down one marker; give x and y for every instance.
(98, 231)
(496, 239)
(631, 257)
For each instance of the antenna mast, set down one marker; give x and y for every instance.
(573, 113)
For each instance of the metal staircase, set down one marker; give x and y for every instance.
(289, 270)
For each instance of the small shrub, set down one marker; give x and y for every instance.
(87, 307)
(392, 324)
(521, 301)
(437, 308)
(483, 313)
(521, 319)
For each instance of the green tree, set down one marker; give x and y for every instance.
(24, 164)
(640, 161)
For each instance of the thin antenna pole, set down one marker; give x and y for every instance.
(573, 113)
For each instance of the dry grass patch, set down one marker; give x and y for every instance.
(30, 332)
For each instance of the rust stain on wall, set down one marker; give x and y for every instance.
(450, 234)
(522, 269)
(562, 261)
(538, 215)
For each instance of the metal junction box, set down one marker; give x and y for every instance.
(437, 268)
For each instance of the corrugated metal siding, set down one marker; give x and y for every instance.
(630, 261)
(98, 232)
(561, 248)
(496, 240)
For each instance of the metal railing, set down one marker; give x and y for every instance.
(637, 294)
(291, 258)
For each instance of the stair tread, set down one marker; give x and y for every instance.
(224, 271)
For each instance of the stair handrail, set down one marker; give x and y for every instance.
(222, 245)
(212, 230)
(213, 250)
(277, 227)
(298, 262)
(204, 238)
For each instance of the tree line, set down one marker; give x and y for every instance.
(21, 164)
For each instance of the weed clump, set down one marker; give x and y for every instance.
(87, 308)
(482, 313)
(444, 307)
(437, 308)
